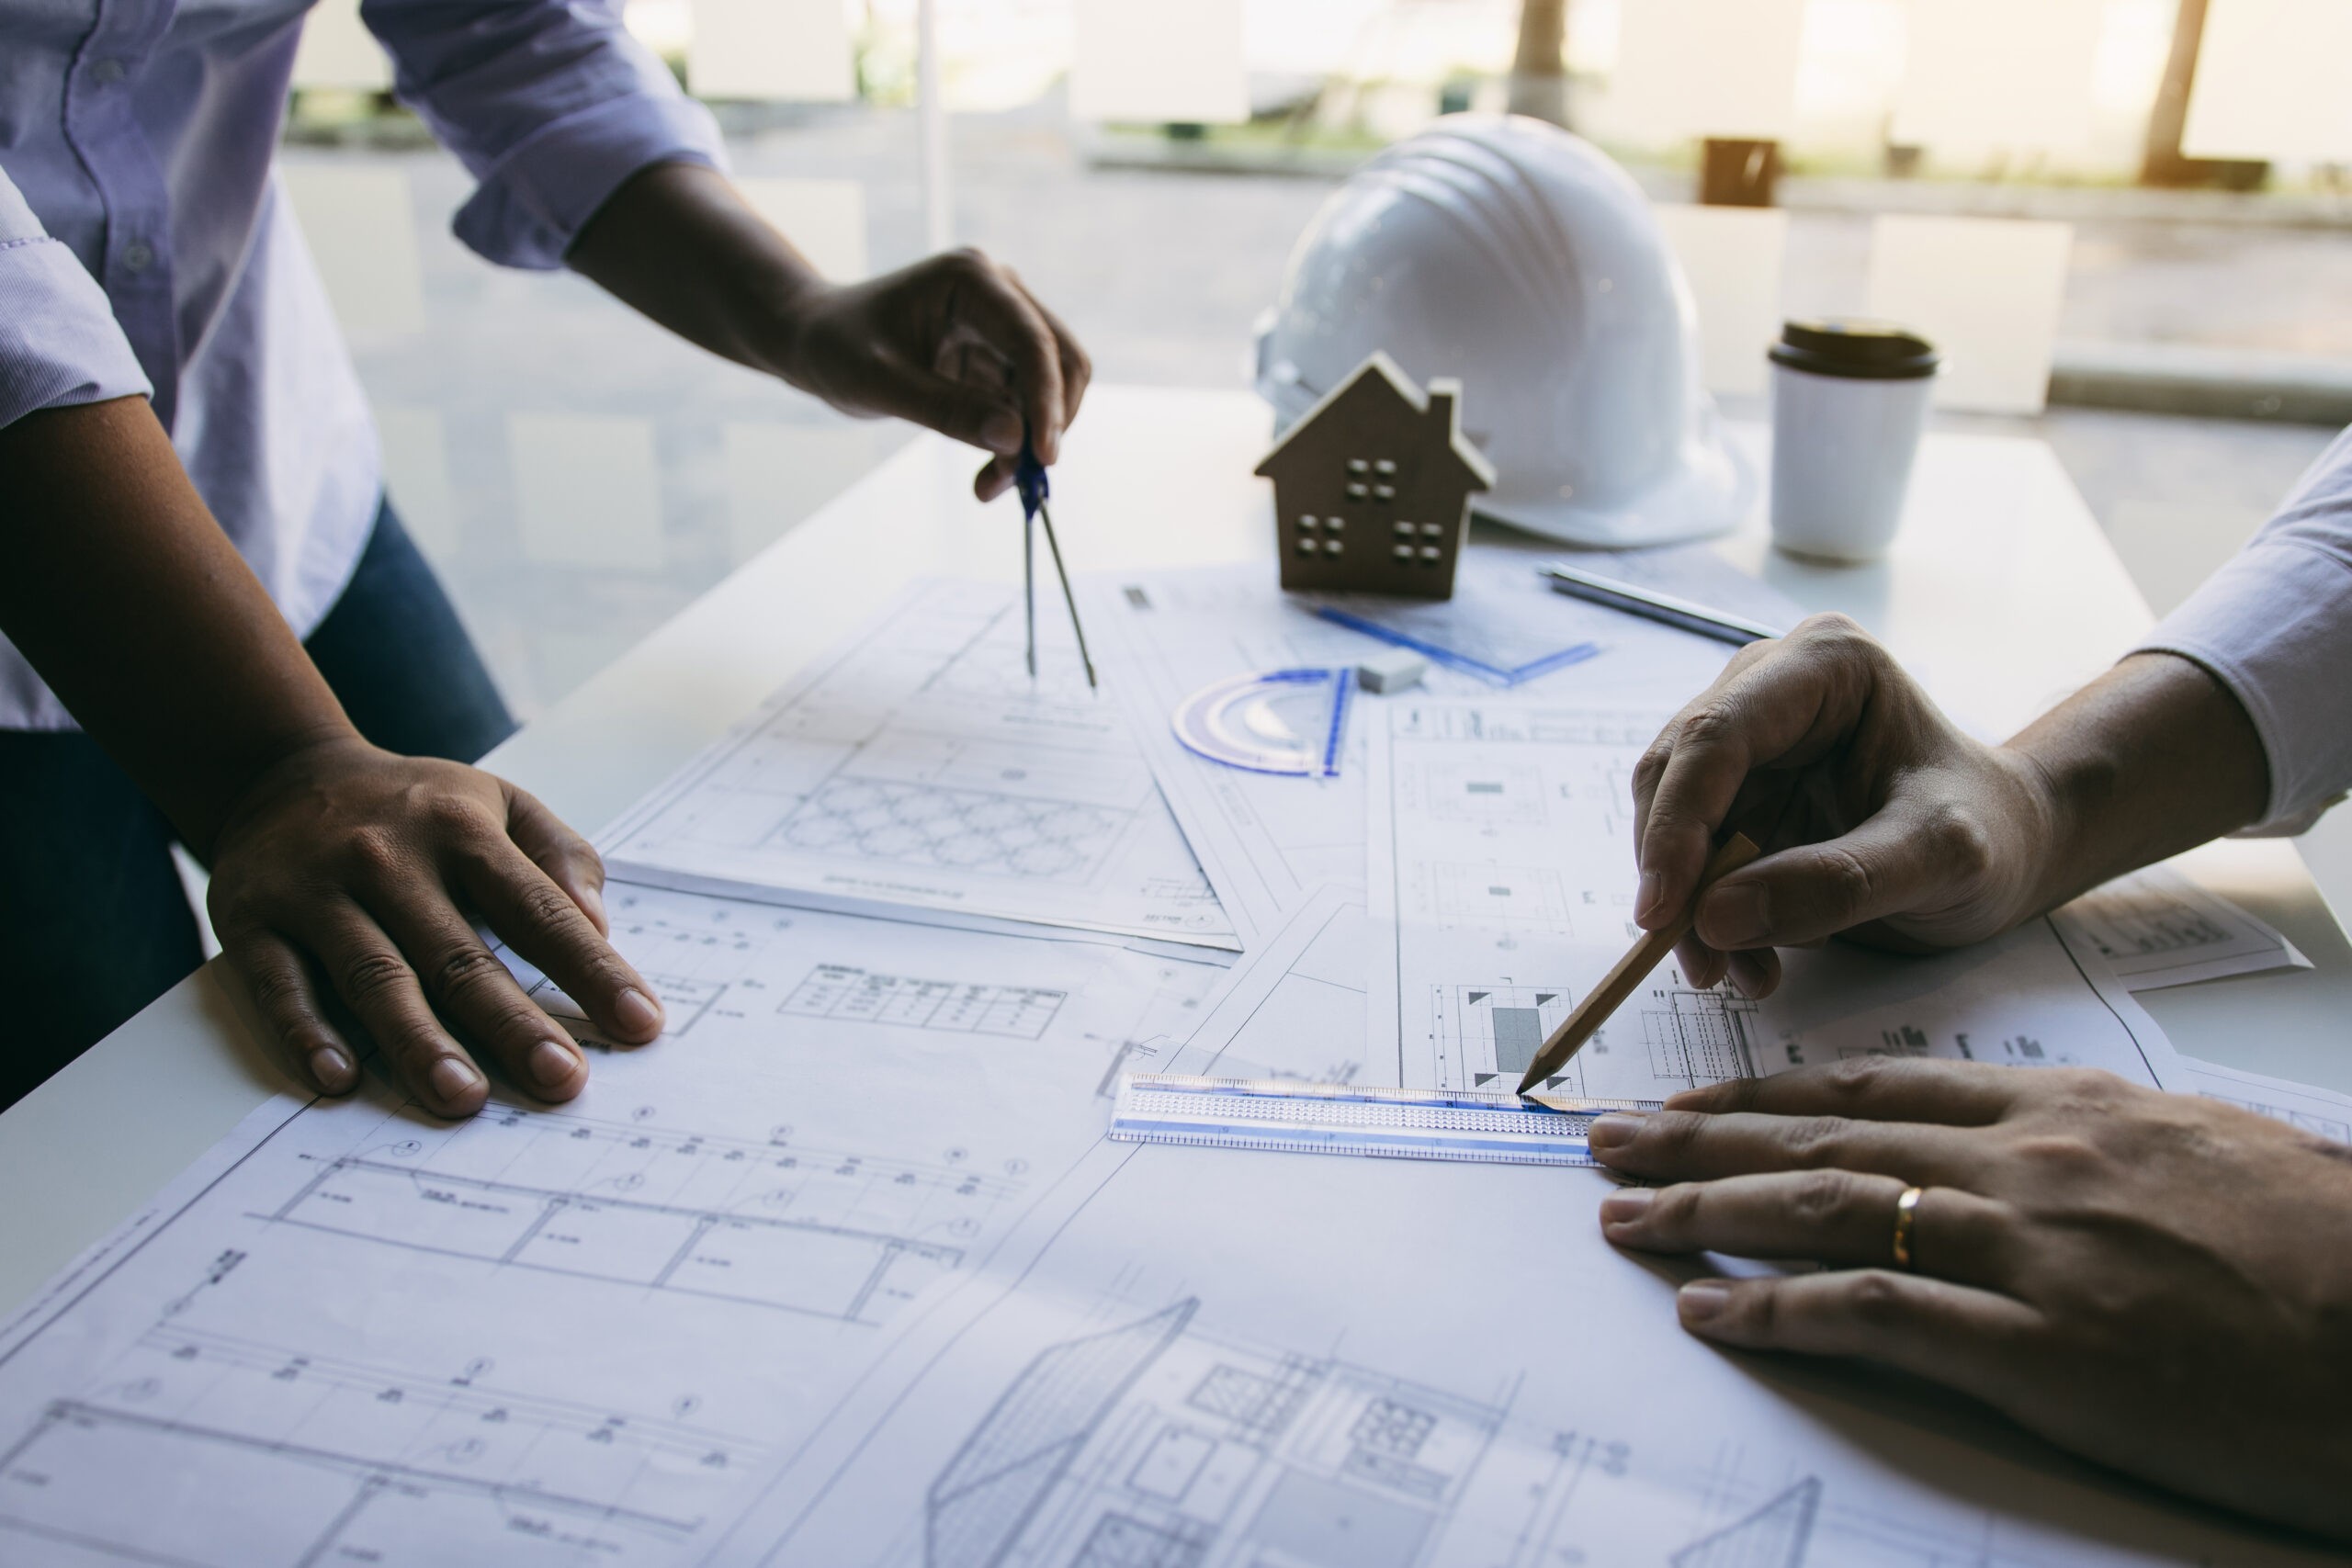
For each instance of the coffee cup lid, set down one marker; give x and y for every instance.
(1856, 348)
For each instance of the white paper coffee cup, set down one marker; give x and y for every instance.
(1850, 400)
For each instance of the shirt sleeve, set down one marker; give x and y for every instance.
(2274, 626)
(552, 105)
(60, 343)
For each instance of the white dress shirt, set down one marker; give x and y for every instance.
(2274, 626)
(146, 248)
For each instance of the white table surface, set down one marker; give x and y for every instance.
(2002, 593)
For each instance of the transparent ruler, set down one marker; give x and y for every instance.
(1343, 1119)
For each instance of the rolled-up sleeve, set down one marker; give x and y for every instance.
(552, 105)
(60, 343)
(2274, 626)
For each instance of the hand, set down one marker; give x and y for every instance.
(347, 868)
(1875, 810)
(955, 342)
(2161, 1282)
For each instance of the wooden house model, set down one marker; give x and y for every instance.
(1372, 484)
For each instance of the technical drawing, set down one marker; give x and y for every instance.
(960, 829)
(1774, 1536)
(691, 959)
(1485, 794)
(1154, 1446)
(1698, 1037)
(1494, 1030)
(1490, 896)
(2327, 1127)
(918, 764)
(847, 993)
(807, 1231)
(360, 1464)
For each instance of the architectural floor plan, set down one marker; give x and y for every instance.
(576, 1334)
(920, 764)
(1502, 885)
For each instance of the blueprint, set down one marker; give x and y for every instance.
(920, 765)
(2156, 928)
(2322, 1112)
(1226, 1360)
(575, 1334)
(1265, 842)
(1502, 887)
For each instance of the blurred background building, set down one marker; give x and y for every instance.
(2129, 222)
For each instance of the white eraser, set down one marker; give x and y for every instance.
(1394, 670)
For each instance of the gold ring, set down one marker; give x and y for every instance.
(1906, 1215)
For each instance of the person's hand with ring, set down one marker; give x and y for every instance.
(2160, 1282)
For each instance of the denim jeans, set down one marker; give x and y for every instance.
(94, 924)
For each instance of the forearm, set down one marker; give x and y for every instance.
(677, 243)
(132, 604)
(2153, 758)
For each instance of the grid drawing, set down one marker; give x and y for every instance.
(848, 994)
(958, 830)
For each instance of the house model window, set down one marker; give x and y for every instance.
(1372, 486)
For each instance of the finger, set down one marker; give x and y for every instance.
(1883, 1088)
(995, 478)
(978, 416)
(1077, 370)
(286, 997)
(1907, 856)
(1836, 1217)
(568, 860)
(377, 983)
(1014, 328)
(1978, 1340)
(472, 990)
(1684, 1145)
(1701, 965)
(1755, 974)
(539, 920)
(1784, 706)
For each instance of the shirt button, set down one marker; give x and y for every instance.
(137, 257)
(107, 73)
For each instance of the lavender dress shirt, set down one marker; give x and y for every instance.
(145, 246)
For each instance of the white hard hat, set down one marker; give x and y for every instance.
(1517, 259)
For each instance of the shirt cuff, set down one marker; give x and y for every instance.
(536, 201)
(2270, 627)
(60, 345)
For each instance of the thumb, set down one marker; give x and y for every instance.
(978, 416)
(1901, 860)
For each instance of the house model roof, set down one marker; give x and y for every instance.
(1379, 363)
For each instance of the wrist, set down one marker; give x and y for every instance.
(295, 762)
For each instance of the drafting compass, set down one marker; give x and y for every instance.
(1030, 480)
